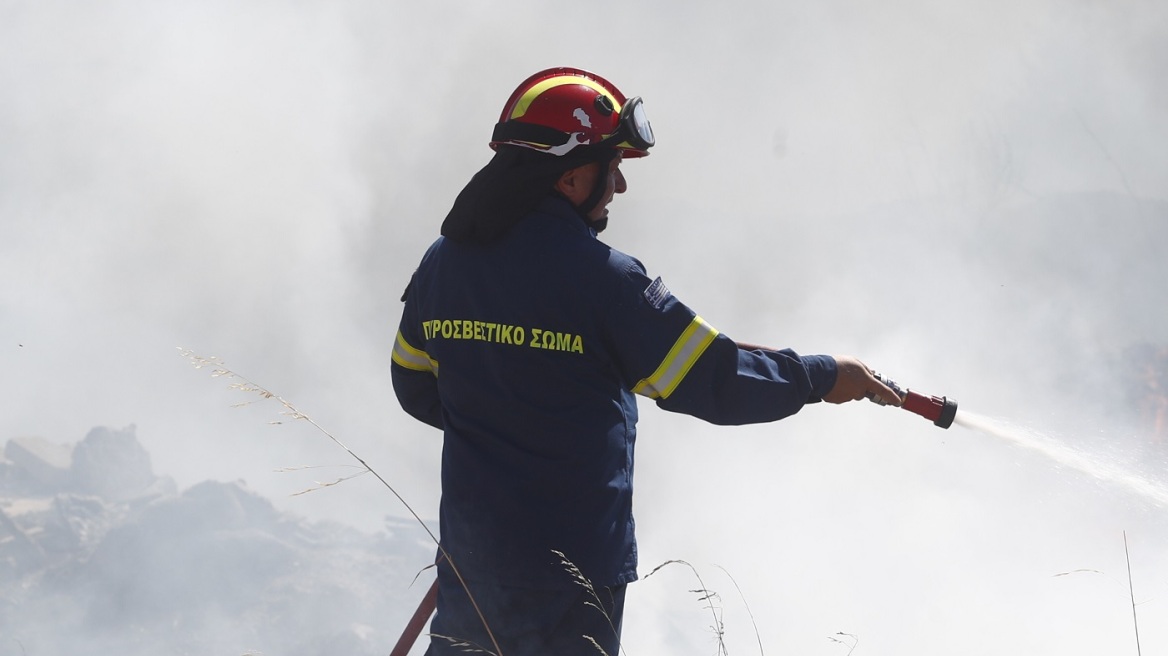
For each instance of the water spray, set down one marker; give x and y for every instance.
(941, 410)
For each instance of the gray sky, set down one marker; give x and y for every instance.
(967, 195)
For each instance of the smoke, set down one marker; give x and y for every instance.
(968, 196)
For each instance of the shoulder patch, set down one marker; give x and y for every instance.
(656, 293)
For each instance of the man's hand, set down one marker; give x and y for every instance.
(854, 381)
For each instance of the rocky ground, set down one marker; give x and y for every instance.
(100, 555)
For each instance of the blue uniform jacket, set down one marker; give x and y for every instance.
(527, 353)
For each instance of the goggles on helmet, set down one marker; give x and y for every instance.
(632, 127)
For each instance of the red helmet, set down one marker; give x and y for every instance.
(557, 109)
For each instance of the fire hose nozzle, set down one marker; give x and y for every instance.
(940, 410)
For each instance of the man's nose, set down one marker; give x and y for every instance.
(621, 184)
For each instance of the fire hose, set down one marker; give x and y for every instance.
(414, 628)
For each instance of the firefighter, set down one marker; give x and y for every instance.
(526, 340)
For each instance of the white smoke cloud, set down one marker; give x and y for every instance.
(967, 195)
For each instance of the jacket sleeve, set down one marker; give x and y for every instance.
(732, 385)
(669, 354)
(417, 392)
(413, 372)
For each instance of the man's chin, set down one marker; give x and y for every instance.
(602, 215)
(600, 223)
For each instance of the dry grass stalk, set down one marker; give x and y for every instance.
(855, 640)
(705, 595)
(322, 485)
(596, 644)
(1129, 588)
(748, 611)
(220, 370)
(319, 484)
(464, 645)
(579, 579)
(1132, 593)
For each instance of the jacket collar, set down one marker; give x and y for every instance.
(557, 206)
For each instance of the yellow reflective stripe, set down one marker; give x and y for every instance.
(412, 358)
(681, 358)
(526, 99)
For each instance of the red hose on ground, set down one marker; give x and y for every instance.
(414, 628)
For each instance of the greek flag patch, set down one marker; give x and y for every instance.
(656, 293)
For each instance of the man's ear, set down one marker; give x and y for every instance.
(566, 184)
(574, 184)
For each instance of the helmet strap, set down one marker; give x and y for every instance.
(598, 189)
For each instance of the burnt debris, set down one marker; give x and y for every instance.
(97, 551)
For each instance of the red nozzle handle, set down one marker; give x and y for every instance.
(940, 410)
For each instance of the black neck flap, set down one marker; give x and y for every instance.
(509, 187)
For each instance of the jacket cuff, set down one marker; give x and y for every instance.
(821, 370)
